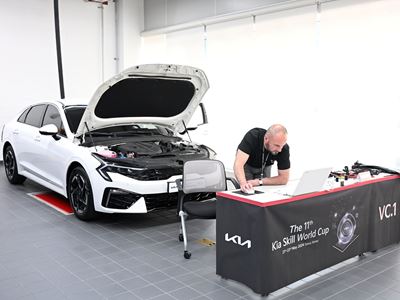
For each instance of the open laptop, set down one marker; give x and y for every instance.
(311, 181)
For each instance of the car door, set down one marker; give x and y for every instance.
(27, 137)
(52, 152)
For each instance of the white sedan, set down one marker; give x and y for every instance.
(121, 153)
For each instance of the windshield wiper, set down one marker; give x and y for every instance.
(163, 155)
(135, 132)
(102, 134)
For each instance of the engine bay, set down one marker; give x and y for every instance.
(130, 150)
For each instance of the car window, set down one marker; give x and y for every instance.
(23, 115)
(52, 116)
(74, 115)
(35, 115)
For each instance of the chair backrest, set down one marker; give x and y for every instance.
(203, 176)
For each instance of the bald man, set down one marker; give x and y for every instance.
(257, 152)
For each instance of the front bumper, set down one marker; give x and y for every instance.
(127, 195)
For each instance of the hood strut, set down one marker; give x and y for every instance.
(184, 125)
(91, 137)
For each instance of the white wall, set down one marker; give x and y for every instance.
(130, 24)
(28, 58)
(330, 77)
(84, 48)
(27, 55)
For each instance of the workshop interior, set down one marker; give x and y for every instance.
(122, 124)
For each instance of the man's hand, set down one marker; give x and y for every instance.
(238, 168)
(246, 186)
(254, 182)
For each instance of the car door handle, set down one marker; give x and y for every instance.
(37, 139)
(16, 131)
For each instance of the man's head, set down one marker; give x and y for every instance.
(275, 138)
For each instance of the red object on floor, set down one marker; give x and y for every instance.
(55, 201)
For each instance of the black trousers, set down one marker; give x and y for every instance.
(255, 173)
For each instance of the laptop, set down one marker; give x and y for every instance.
(311, 181)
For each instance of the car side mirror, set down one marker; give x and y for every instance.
(49, 129)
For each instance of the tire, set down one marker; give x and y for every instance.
(11, 168)
(80, 194)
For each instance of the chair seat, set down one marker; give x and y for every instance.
(203, 210)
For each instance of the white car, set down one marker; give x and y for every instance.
(120, 153)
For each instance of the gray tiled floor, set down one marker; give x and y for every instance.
(46, 255)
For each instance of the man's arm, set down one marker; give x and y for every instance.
(282, 178)
(238, 167)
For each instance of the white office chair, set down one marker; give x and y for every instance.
(199, 176)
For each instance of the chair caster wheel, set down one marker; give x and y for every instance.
(187, 254)
(181, 237)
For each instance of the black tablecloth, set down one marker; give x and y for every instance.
(268, 246)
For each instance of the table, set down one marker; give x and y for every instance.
(267, 241)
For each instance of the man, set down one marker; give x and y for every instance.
(256, 154)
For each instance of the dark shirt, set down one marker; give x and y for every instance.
(253, 145)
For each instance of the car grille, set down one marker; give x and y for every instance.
(169, 200)
(119, 199)
(152, 174)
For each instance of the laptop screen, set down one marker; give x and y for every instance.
(312, 181)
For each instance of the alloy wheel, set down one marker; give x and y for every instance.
(9, 164)
(79, 193)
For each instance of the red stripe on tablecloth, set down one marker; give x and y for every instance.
(305, 196)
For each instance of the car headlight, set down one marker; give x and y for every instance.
(106, 167)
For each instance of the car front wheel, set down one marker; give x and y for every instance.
(80, 194)
(10, 166)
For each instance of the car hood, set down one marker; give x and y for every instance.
(158, 94)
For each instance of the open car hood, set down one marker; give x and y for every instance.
(158, 94)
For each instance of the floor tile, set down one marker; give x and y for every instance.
(52, 256)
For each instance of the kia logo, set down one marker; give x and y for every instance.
(236, 239)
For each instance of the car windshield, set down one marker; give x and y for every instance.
(74, 115)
